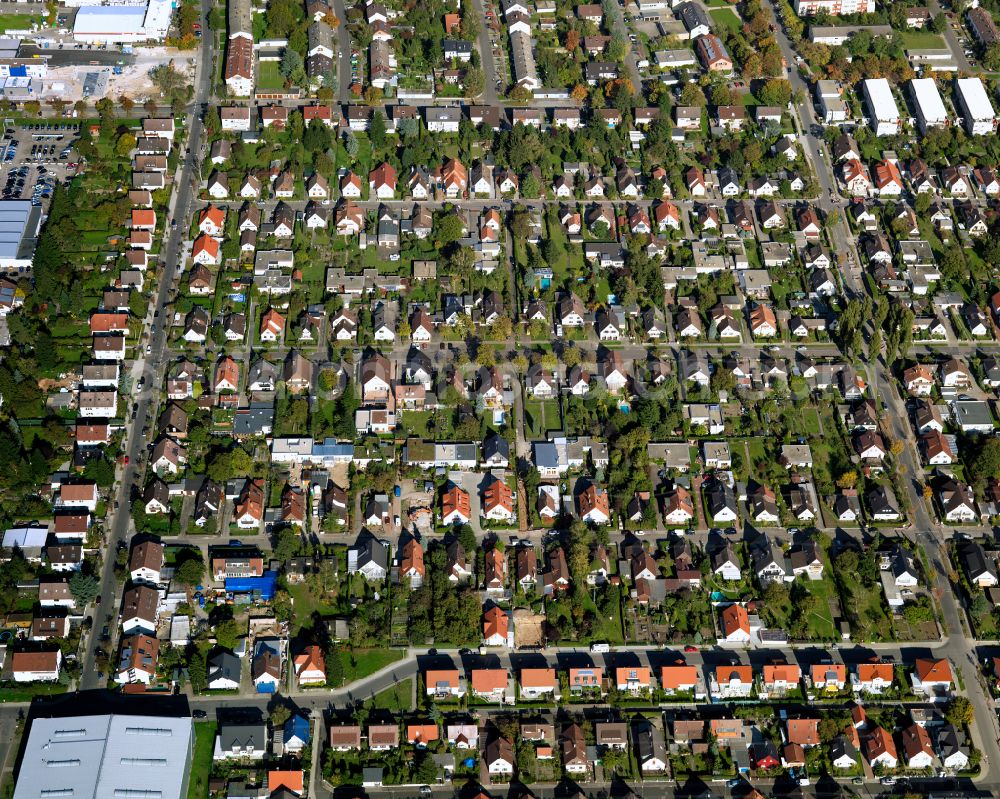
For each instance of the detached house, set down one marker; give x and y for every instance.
(872, 678)
(736, 625)
(538, 683)
(880, 749)
(932, 678)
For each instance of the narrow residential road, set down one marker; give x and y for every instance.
(951, 38)
(618, 24)
(959, 646)
(343, 53)
(805, 120)
(119, 516)
(490, 96)
(841, 237)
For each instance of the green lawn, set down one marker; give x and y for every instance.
(269, 76)
(306, 604)
(17, 22)
(810, 422)
(429, 425)
(608, 630)
(821, 627)
(201, 761)
(921, 40)
(26, 692)
(863, 607)
(727, 18)
(756, 451)
(541, 416)
(360, 663)
(399, 698)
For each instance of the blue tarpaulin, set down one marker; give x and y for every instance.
(263, 586)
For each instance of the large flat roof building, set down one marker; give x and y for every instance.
(106, 756)
(977, 110)
(123, 24)
(835, 8)
(882, 111)
(19, 223)
(838, 34)
(928, 104)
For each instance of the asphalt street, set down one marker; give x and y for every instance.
(343, 52)
(151, 364)
(490, 95)
(957, 50)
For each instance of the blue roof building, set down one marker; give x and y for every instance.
(296, 733)
(263, 586)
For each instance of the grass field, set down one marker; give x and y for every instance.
(27, 692)
(541, 416)
(269, 76)
(810, 422)
(864, 604)
(307, 603)
(609, 630)
(399, 698)
(428, 425)
(921, 40)
(726, 17)
(17, 22)
(201, 761)
(821, 627)
(360, 663)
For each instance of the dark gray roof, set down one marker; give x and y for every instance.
(371, 550)
(496, 445)
(255, 420)
(720, 496)
(320, 35)
(725, 555)
(693, 16)
(224, 664)
(251, 735)
(974, 560)
(208, 501)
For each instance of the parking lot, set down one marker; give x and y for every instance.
(500, 57)
(33, 158)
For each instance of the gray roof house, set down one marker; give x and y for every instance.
(237, 739)
(224, 670)
(369, 556)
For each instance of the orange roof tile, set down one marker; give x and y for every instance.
(929, 670)
(782, 672)
(538, 678)
(724, 674)
(143, 217)
(214, 215)
(486, 681)
(678, 676)
(447, 677)
(804, 732)
(292, 780)
(495, 622)
(735, 617)
(875, 671)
